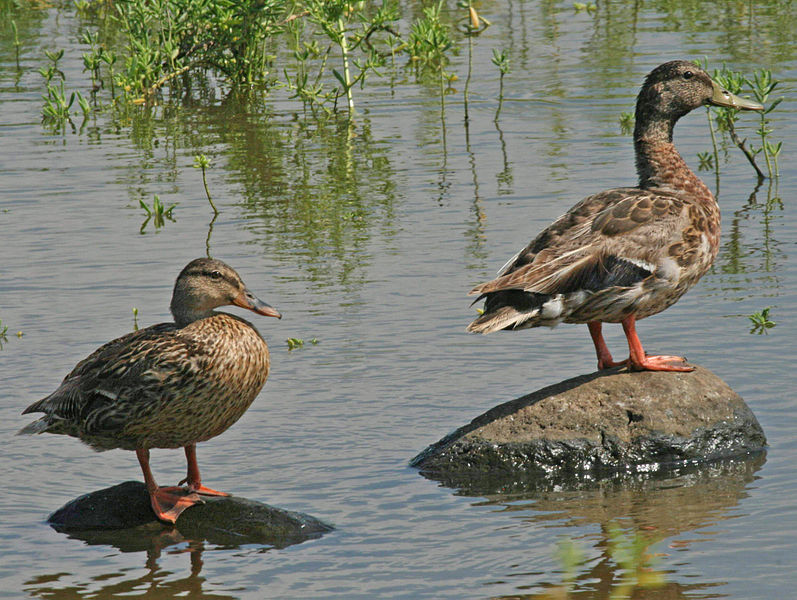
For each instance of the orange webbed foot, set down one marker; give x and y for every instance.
(198, 488)
(662, 363)
(168, 503)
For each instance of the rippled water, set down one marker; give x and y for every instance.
(369, 243)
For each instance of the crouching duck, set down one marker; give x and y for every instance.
(627, 253)
(170, 385)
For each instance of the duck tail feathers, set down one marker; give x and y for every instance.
(506, 317)
(38, 426)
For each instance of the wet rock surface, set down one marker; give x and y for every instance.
(605, 424)
(121, 516)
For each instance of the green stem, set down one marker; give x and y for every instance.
(741, 145)
(713, 140)
(207, 193)
(344, 48)
(470, 69)
(764, 144)
(16, 41)
(210, 232)
(500, 96)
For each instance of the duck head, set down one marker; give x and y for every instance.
(675, 88)
(207, 283)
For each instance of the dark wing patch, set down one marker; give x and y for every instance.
(603, 272)
(521, 301)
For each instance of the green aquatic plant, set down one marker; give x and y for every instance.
(92, 59)
(16, 41)
(585, 6)
(500, 60)
(626, 123)
(351, 27)
(762, 84)
(761, 321)
(629, 561)
(570, 556)
(429, 42)
(135, 319)
(706, 161)
(294, 343)
(629, 551)
(109, 58)
(158, 213)
(202, 162)
(332, 17)
(167, 38)
(3, 331)
(471, 24)
(52, 70)
(148, 52)
(57, 109)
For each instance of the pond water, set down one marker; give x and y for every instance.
(368, 240)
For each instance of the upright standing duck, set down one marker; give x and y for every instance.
(170, 385)
(627, 253)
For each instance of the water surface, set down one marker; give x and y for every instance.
(369, 243)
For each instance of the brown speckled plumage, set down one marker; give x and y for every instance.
(161, 387)
(170, 385)
(626, 253)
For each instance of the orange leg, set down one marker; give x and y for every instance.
(193, 479)
(605, 360)
(167, 502)
(639, 361)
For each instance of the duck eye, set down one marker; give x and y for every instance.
(688, 74)
(215, 274)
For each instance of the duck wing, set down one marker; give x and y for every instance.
(610, 239)
(105, 388)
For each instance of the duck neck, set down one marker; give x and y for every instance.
(658, 163)
(185, 314)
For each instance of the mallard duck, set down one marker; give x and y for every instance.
(627, 253)
(170, 385)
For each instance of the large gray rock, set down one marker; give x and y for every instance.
(121, 516)
(608, 423)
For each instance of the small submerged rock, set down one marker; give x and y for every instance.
(597, 425)
(222, 520)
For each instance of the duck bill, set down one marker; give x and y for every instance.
(723, 97)
(248, 300)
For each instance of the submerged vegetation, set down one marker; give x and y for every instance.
(628, 557)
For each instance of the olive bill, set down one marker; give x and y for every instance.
(723, 97)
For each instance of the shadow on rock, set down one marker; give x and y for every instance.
(605, 425)
(121, 516)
